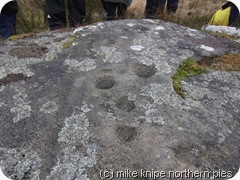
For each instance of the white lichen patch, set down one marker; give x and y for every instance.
(73, 163)
(159, 28)
(150, 20)
(151, 119)
(144, 104)
(85, 65)
(111, 54)
(158, 120)
(207, 48)
(132, 97)
(110, 116)
(14, 65)
(192, 30)
(221, 138)
(77, 30)
(130, 24)
(85, 108)
(164, 68)
(100, 24)
(91, 27)
(13, 159)
(137, 48)
(78, 154)
(75, 129)
(21, 108)
(84, 34)
(123, 37)
(49, 107)
(162, 94)
(2, 104)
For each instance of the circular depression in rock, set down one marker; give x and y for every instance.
(106, 82)
(125, 104)
(126, 133)
(144, 71)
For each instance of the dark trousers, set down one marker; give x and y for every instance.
(114, 10)
(57, 15)
(8, 19)
(7, 25)
(157, 6)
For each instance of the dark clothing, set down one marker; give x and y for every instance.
(234, 13)
(114, 10)
(8, 20)
(57, 15)
(11, 8)
(153, 7)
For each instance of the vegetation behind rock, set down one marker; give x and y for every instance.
(194, 14)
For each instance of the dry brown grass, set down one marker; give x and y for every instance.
(226, 62)
(186, 7)
(192, 13)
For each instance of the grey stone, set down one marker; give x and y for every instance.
(108, 103)
(234, 31)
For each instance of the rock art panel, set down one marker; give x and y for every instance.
(107, 104)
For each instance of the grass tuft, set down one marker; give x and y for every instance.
(226, 62)
(69, 42)
(188, 68)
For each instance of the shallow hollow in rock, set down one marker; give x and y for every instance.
(105, 82)
(125, 104)
(126, 133)
(144, 71)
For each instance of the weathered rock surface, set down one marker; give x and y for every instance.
(233, 31)
(108, 102)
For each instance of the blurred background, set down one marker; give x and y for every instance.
(31, 17)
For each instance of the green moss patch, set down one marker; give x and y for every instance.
(20, 36)
(186, 69)
(68, 43)
(190, 68)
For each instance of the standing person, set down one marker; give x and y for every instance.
(57, 16)
(115, 9)
(8, 19)
(229, 15)
(157, 6)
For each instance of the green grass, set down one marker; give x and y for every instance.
(188, 68)
(69, 42)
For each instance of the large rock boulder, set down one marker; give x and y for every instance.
(107, 104)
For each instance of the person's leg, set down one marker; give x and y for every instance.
(77, 12)
(7, 26)
(56, 14)
(110, 9)
(161, 6)
(153, 7)
(8, 19)
(121, 10)
(172, 6)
